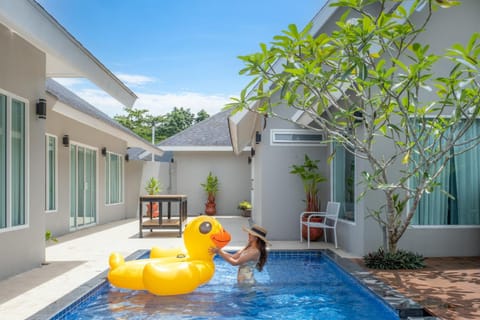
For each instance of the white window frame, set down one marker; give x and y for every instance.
(47, 173)
(10, 96)
(275, 140)
(121, 176)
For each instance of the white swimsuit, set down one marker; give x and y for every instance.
(245, 273)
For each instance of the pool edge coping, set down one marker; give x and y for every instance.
(405, 307)
(71, 298)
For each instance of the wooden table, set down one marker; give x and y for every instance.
(161, 222)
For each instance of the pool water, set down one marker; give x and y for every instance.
(304, 285)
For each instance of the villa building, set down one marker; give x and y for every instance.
(278, 144)
(63, 162)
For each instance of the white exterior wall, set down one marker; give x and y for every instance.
(58, 125)
(22, 74)
(190, 170)
(133, 180)
(446, 28)
(279, 194)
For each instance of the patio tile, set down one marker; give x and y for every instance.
(447, 287)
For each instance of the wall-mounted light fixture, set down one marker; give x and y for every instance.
(127, 157)
(65, 140)
(258, 137)
(104, 151)
(42, 109)
(252, 152)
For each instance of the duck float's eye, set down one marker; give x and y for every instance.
(205, 227)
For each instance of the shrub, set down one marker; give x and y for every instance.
(48, 236)
(401, 259)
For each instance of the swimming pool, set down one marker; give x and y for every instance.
(293, 285)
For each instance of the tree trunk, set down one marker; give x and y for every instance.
(391, 223)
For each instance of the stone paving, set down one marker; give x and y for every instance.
(82, 255)
(449, 288)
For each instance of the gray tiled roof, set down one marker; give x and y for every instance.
(212, 131)
(68, 97)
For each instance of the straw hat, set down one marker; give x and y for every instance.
(258, 232)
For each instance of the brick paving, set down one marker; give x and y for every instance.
(449, 288)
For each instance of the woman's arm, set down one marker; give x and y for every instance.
(234, 260)
(237, 254)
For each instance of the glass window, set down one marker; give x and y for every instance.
(344, 182)
(73, 186)
(3, 161)
(18, 162)
(461, 180)
(113, 178)
(51, 173)
(295, 137)
(13, 133)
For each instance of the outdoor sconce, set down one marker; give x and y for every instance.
(127, 157)
(42, 109)
(258, 137)
(65, 140)
(104, 151)
(252, 152)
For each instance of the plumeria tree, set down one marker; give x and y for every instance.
(372, 81)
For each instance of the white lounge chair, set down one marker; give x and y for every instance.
(330, 217)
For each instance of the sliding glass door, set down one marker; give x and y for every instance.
(83, 186)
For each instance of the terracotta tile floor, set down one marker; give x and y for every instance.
(448, 287)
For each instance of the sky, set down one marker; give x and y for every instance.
(174, 53)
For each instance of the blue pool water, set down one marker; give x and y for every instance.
(306, 285)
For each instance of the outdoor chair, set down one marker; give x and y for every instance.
(330, 217)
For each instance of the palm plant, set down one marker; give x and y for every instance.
(311, 177)
(211, 187)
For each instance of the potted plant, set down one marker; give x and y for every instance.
(246, 208)
(153, 187)
(211, 188)
(311, 177)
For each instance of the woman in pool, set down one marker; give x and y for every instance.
(253, 255)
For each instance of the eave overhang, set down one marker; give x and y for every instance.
(65, 56)
(90, 121)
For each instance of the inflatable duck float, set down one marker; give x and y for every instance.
(173, 271)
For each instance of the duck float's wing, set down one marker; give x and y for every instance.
(157, 252)
(176, 278)
(128, 275)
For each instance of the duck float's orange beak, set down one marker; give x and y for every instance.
(221, 239)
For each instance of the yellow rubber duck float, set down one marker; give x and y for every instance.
(173, 271)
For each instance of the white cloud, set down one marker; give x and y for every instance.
(101, 101)
(134, 79)
(157, 104)
(163, 103)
